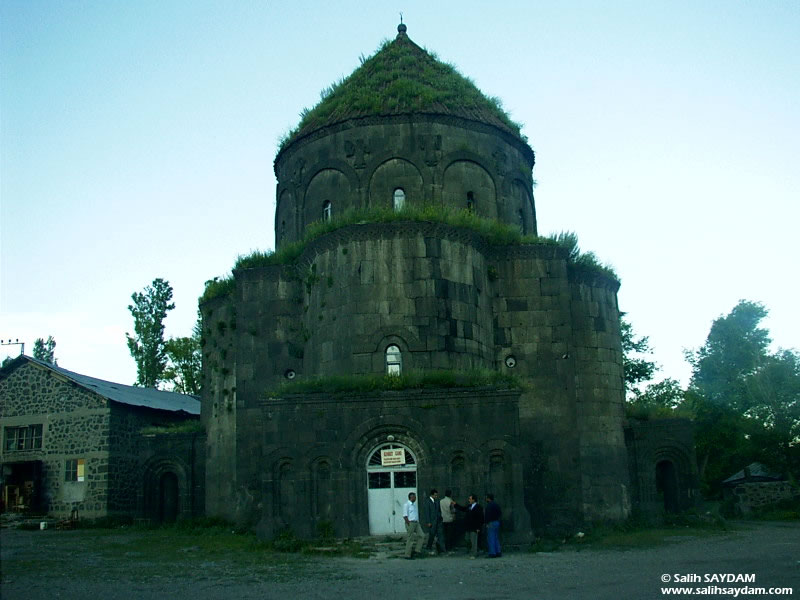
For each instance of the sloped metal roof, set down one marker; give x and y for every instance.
(754, 472)
(128, 394)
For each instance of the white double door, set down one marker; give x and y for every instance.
(387, 492)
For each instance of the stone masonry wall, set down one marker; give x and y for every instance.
(75, 425)
(126, 446)
(600, 397)
(464, 439)
(433, 159)
(763, 493)
(221, 331)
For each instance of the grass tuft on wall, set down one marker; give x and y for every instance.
(493, 231)
(341, 384)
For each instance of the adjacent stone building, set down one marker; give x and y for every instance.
(372, 294)
(72, 442)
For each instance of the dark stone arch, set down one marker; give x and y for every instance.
(166, 479)
(395, 172)
(355, 450)
(464, 177)
(284, 491)
(326, 185)
(322, 495)
(384, 340)
(285, 217)
(667, 485)
(522, 200)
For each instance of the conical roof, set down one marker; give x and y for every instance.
(400, 79)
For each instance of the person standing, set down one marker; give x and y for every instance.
(432, 518)
(493, 514)
(414, 532)
(448, 518)
(473, 523)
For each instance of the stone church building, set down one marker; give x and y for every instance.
(381, 295)
(411, 331)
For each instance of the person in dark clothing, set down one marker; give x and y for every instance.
(473, 523)
(493, 515)
(432, 522)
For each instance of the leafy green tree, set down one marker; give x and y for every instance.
(664, 397)
(185, 362)
(735, 349)
(147, 346)
(636, 368)
(746, 400)
(45, 350)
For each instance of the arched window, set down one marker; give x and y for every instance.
(326, 210)
(470, 201)
(399, 199)
(283, 229)
(394, 360)
(521, 222)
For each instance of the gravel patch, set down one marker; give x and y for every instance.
(42, 566)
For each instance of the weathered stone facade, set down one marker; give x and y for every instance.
(663, 465)
(759, 494)
(88, 453)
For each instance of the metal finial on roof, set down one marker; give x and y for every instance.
(401, 29)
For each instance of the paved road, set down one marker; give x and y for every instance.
(769, 552)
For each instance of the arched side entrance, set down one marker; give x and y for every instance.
(391, 476)
(169, 498)
(667, 485)
(165, 492)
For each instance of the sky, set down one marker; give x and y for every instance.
(137, 141)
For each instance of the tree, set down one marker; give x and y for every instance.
(747, 400)
(45, 350)
(664, 396)
(635, 366)
(734, 350)
(185, 362)
(147, 347)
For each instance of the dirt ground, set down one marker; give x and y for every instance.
(48, 565)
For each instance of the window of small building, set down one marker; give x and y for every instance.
(326, 210)
(75, 469)
(470, 202)
(28, 437)
(398, 199)
(394, 360)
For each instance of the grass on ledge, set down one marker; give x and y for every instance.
(493, 231)
(193, 426)
(340, 384)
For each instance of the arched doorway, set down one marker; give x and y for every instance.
(391, 476)
(667, 485)
(168, 498)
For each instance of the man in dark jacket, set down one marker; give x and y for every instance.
(432, 522)
(473, 523)
(493, 514)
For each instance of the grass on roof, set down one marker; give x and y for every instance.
(402, 78)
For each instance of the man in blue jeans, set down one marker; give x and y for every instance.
(492, 516)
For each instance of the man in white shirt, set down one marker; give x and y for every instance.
(413, 528)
